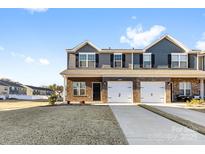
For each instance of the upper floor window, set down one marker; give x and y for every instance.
(185, 88)
(87, 60)
(147, 60)
(118, 60)
(179, 60)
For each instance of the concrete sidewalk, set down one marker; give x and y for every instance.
(141, 126)
(194, 116)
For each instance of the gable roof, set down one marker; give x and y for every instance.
(82, 45)
(133, 50)
(38, 88)
(11, 83)
(3, 84)
(170, 38)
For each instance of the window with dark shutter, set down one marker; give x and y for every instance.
(147, 60)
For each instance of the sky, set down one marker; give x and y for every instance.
(33, 41)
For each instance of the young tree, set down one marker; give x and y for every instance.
(57, 89)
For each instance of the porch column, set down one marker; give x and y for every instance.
(64, 89)
(202, 88)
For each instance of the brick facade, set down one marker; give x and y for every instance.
(169, 84)
(195, 85)
(88, 97)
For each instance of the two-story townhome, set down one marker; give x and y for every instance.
(39, 91)
(4, 90)
(14, 88)
(156, 74)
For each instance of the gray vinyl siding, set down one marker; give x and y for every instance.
(136, 61)
(203, 62)
(128, 60)
(68, 60)
(192, 61)
(71, 60)
(104, 60)
(161, 50)
(87, 48)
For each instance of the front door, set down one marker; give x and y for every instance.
(96, 92)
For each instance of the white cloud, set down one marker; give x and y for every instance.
(136, 37)
(201, 43)
(29, 60)
(37, 10)
(44, 61)
(134, 17)
(2, 48)
(26, 59)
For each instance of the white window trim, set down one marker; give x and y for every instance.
(147, 61)
(79, 88)
(185, 88)
(86, 60)
(117, 60)
(179, 54)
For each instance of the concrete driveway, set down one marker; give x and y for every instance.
(141, 126)
(194, 116)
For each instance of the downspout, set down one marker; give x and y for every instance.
(197, 61)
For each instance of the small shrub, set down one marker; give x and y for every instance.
(195, 102)
(52, 99)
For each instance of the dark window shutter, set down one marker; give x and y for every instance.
(97, 60)
(77, 60)
(189, 62)
(111, 59)
(123, 60)
(153, 60)
(141, 60)
(169, 60)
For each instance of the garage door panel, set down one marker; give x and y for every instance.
(153, 92)
(120, 91)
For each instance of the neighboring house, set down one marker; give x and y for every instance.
(158, 73)
(40, 91)
(4, 90)
(14, 88)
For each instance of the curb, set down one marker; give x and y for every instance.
(181, 121)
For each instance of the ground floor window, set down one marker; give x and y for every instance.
(79, 88)
(185, 88)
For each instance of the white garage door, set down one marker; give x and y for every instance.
(120, 91)
(152, 92)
